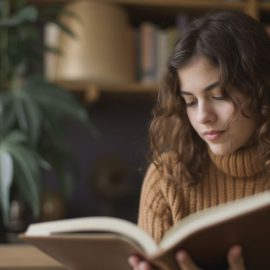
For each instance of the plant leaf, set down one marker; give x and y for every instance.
(34, 117)
(58, 101)
(20, 113)
(26, 175)
(65, 29)
(7, 113)
(28, 114)
(19, 3)
(53, 50)
(13, 138)
(6, 176)
(28, 13)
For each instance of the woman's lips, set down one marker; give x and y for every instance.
(213, 135)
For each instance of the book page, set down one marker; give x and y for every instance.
(213, 215)
(96, 225)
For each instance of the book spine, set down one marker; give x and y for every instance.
(162, 53)
(148, 45)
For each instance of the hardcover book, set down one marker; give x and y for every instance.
(106, 242)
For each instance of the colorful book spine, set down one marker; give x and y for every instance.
(148, 48)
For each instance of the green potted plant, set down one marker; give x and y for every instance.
(32, 110)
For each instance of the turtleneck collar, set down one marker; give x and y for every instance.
(243, 163)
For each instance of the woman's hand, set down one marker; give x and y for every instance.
(235, 261)
(234, 257)
(138, 264)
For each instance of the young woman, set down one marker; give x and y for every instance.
(210, 134)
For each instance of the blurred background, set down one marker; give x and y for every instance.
(78, 83)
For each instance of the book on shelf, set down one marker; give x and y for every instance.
(148, 50)
(162, 53)
(106, 243)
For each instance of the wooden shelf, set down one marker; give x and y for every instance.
(249, 6)
(264, 6)
(162, 12)
(154, 10)
(210, 4)
(121, 87)
(92, 91)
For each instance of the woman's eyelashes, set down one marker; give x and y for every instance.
(221, 97)
(191, 102)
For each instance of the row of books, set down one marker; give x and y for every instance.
(152, 48)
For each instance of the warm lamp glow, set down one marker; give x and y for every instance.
(102, 50)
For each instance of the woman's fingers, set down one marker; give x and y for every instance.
(185, 262)
(138, 264)
(143, 265)
(235, 258)
(134, 261)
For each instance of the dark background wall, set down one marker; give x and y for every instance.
(113, 165)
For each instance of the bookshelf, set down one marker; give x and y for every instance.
(264, 6)
(249, 6)
(92, 91)
(159, 11)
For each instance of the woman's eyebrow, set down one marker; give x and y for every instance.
(207, 88)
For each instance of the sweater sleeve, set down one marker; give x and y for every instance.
(154, 212)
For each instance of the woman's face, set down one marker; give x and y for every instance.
(213, 116)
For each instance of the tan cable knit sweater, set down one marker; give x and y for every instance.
(163, 202)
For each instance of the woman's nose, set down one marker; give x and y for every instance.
(205, 113)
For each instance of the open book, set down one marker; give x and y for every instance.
(105, 243)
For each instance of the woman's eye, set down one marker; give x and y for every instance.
(190, 103)
(218, 97)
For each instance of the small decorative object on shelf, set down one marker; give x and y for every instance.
(53, 206)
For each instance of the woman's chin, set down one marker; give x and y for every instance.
(221, 150)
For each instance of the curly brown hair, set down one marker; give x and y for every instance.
(239, 47)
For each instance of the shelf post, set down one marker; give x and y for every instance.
(252, 8)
